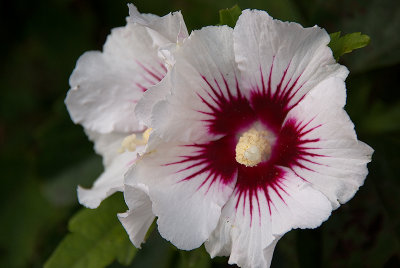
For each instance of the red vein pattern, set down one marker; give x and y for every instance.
(230, 113)
(151, 74)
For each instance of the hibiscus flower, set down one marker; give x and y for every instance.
(249, 141)
(105, 87)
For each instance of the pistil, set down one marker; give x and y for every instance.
(253, 147)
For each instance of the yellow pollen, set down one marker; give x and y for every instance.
(130, 142)
(146, 134)
(253, 147)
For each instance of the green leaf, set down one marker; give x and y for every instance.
(97, 238)
(229, 16)
(347, 43)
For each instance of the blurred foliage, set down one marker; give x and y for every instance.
(97, 238)
(44, 155)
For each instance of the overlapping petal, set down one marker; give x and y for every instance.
(105, 87)
(150, 98)
(168, 29)
(249, 229)
(109, 182)
(185, 191)
(139, 217)
(284, 54)
(265, 76)
(106, 145)
(205, 64)
(337, 166)
(116, 164)
(184, 197)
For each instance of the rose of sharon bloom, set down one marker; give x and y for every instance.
(105, 87)
(250, 141)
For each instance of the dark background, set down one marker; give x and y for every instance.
(44, 155)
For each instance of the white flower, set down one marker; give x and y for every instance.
(105, 87)
(250, 141)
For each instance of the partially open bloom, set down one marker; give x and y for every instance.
(250, 141)
(105, 87)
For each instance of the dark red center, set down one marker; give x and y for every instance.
(231, 114)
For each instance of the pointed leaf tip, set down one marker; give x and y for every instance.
(229, 16)
(341, 45)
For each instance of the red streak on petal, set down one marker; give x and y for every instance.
(229, 113)
(151, 75)
(207, 160)
(150, 72)
(141, 87)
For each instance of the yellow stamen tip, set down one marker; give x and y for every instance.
(146, 134)
(130, 142)
(253, 147)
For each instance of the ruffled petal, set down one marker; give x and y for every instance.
(251, 225)
(106, 86)
(286, 81)
(139, 217)
(203, 76)
(335, 161)
(187, 196)
(151, 97)
(282, 59)
(109, 182)
(106, 145)
(168, 29)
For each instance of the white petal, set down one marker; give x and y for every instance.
(273, 47)
(266, 256)
(244, 241)
(202, 63)
(106, 86)
(151, 97)
(168, 29)
(109, 182)
(139, 217)
(106, 145)
(300, 205)
(249, 237)
(342, 167)
(187, 210)
(170, 26)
